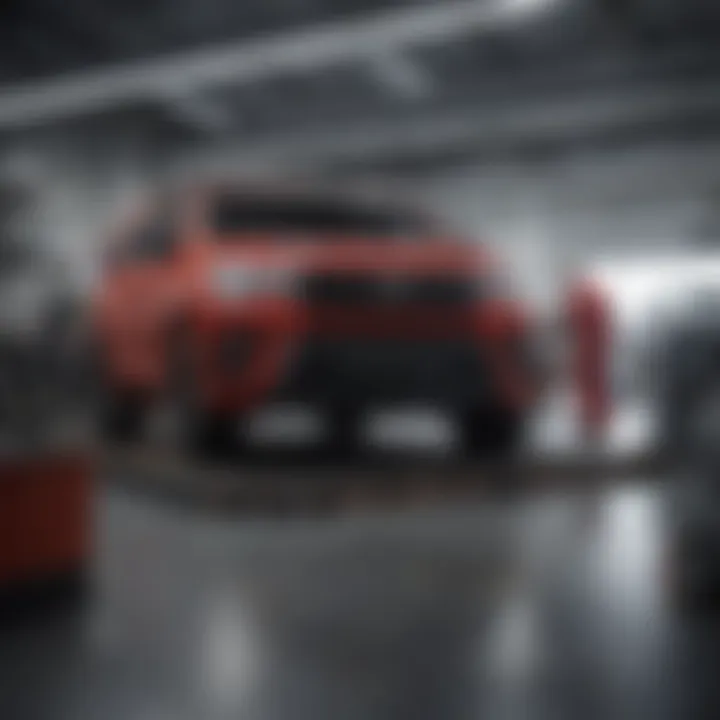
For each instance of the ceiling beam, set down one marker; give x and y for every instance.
(202, 113)
(98, 21)
(402, 76)
(251, 61)
(512, 124)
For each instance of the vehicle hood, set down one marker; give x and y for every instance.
(343, 255)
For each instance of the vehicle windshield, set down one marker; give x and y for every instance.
(232, 216)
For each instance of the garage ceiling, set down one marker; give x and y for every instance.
(314, 73)
(41, 38)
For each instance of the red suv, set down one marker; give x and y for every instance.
(221, 300)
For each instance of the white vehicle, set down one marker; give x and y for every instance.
(646, 298)
(665, 357)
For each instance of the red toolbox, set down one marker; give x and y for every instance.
(45, 519)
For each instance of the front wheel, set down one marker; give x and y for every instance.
(343, 426)
(491, 433)
(118, 414)
(195, 428)
(208, 434)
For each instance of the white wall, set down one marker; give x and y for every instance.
(78, 194)
(550, 219)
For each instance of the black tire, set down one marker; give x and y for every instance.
(118, 414)
(491, 433)
(342, 431)
(197, 430)
(122, 418)
(210, 435)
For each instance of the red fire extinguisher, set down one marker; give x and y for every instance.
(590, 328)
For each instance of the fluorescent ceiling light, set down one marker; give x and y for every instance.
(402, 75)
(249, 61)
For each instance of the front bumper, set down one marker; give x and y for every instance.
(454, 360)
(357, 371)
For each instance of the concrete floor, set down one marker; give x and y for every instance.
(550, 609)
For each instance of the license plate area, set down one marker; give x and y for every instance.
(386, 370)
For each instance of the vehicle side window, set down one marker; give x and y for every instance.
(155, 239)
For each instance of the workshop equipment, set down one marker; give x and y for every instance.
(45, 472)
(45, 524)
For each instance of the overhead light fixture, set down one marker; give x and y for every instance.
(402, 75)
(521, 8)
(205, 113)
(333, 43)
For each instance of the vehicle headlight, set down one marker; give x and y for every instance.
(233, 282)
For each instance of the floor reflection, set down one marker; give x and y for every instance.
(534, 610)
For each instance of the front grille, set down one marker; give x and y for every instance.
(235, 350)
(327, 370)
(385, 289)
